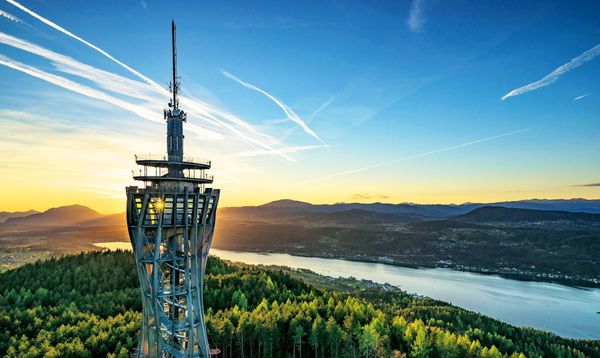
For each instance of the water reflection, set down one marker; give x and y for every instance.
(566, 311)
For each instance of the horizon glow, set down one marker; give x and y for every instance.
(267, 86)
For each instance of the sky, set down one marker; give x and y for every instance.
(423, 101)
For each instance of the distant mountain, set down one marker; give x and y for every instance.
(574, 205)
(502, 214)
(287, 204)
(291, 206)
(346, 217)
(106, 220)
(61, 216)
(360, 216)
(4, 215)
(426, 211)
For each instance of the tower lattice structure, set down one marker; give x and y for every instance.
(171, 221)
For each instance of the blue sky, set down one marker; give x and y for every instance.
(405, 97)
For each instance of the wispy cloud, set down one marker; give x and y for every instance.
(286, 109)
(126, 87)
(555, 75)
(581, 97)
(589, 185)
(368, 196)
(415, 19)
(415, 156)
(72, 35)
(78, 88)
(203, 110)
(286, 150)
(107, 80)
(321, 108)
(51, 145)
(11, 17)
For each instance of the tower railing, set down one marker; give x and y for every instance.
(164, 157)
(161, 172)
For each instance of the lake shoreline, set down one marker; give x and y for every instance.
(522, 303)
(575, 283)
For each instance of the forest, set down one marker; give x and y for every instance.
(555, 246)
(88, 305)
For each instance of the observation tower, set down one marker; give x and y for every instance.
(171, 221)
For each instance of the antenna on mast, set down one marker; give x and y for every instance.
(174, 84)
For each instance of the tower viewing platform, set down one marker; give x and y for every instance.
(156, 168)
(171, 222)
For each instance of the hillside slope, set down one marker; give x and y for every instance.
(61, 216)
(498, 213)
(89, 305)
(523, 243)
(5, 215)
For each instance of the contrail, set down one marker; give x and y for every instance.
(445, 149)
(555, 75)
(66, 64)
(96, 94)
(10, 17)
(68, 33)
(93, 93)
(195, 107)
(581, 97)
(321, 107)
(76, 87)
(286, 150)
(287, 110)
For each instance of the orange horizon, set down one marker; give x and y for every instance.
(103, 212)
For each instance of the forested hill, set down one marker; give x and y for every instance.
(498, 213)
(430, 211)
(88, 305)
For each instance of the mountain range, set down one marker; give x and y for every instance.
(424, 211)
(5, 215)
(339, 212)
(513, 238)
(64, 216)
(529, 239)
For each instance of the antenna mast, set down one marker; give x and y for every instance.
(174, 84)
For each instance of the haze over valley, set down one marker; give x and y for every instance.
(547, 240)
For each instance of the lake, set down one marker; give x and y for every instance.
(566, 311)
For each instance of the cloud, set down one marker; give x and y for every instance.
(76, 87)
(581, 97)
(589, 185)
(286, 150)
(555, 75)
(70, 34)
(51, 146)
(420, 155)
(368, 196)
(321, 108)
(11, 17)
(287, 110)
(415, 19)
(107, 80)
(200, 109)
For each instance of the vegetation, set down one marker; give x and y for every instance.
(88, 305)
(527, 244)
